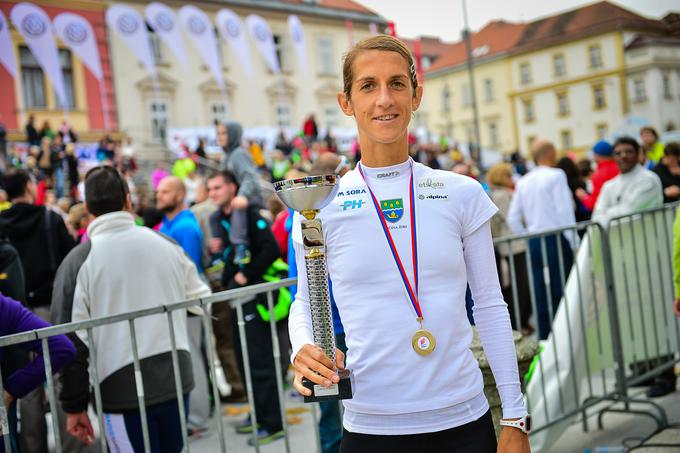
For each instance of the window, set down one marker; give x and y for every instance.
(530, 142)
(159, 120)
(599, 101)
(488, 90)
(524, 73)
(326, 57)
(66, 63)
(219, 113)
(283, 115)
(601, 131)
(639, 91)
(467, 95)
(559, 65)
(446, 99)
(32, 80)
(565, 137)
(562, 103)
(282, 54)
(595, 56)
(528, 105)
(331, 115)
(666, 82)
(493, 134)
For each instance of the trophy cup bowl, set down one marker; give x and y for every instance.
(308, 195)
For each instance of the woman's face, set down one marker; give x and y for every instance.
(382, 96)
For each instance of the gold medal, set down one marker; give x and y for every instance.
(423, 342)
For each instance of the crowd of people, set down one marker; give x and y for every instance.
(84, 256)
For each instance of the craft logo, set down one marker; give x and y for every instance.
(127, 24)
(164, 21)
(393, 210)
(196, 25)
(75, 32)
(351, 204)
(232, 27)
(261, 32)
(33, 25)
(390, 174)
(431, 183)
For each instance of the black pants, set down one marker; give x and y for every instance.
(262, 368)
(474, 437)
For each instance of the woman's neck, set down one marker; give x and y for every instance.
(377, 155)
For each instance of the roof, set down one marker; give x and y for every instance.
(589, 20)
(496, 37)
(345, 5)
(650, 40)
(429, 46)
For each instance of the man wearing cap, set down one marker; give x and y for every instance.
(606, 170)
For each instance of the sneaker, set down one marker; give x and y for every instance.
(246, 427)
(266, 437)
(241, 255)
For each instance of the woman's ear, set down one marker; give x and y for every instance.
(345, 104)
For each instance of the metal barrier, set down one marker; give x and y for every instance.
(606, 321)
(236, 297)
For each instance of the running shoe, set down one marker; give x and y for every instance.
(266, 437)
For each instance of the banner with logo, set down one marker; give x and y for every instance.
(201, 34)
(129, 25)
(162, 19)
(35, 26)
(7, 58)
(232, 30)
(295, 28)
(77, 34)
(262, 35)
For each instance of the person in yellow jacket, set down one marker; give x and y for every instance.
(650, 142)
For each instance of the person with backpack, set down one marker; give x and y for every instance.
(41, 240)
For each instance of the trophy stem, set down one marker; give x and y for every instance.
(319, 302)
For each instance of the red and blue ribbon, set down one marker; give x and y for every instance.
(413, 295)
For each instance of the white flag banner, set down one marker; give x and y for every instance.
(7, 58)
(232, 30)
(34, 25)
(130, 27)
(202, 36)
(295, 28)
(262, 35)
(76, 32)
(373, 28)
(164, 22)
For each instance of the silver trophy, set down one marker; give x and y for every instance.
(308, 195)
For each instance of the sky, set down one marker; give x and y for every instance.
(444, 18)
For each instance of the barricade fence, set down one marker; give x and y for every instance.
(599, 298)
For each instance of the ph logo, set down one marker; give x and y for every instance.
(352, 204)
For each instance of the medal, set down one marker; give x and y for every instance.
(423, 341)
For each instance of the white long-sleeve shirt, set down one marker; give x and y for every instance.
(397, 391)
(636, 190)
(542, 201)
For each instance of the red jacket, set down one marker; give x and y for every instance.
(606, 170)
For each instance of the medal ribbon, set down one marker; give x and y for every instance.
(413, 295)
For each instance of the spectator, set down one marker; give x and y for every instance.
(32, 135)
(310, 129)
(67, 134)
(18, 383)
(42, 241)
(542, 202)
(223, 188)
(653, 149)
(158, 174)
(3, 141)
(72, 170)
(237, 160)
(668, 170)
(606, 170)
(202, 210)
(47, 131)
(634, 189)
(499, 178)
(576, 183)
(143, 270)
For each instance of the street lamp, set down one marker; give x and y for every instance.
(476, 149)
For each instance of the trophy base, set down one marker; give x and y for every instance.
(340, 391)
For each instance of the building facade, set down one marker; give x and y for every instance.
(32, 94)
(188, 97)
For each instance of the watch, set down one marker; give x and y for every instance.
(523, 423)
